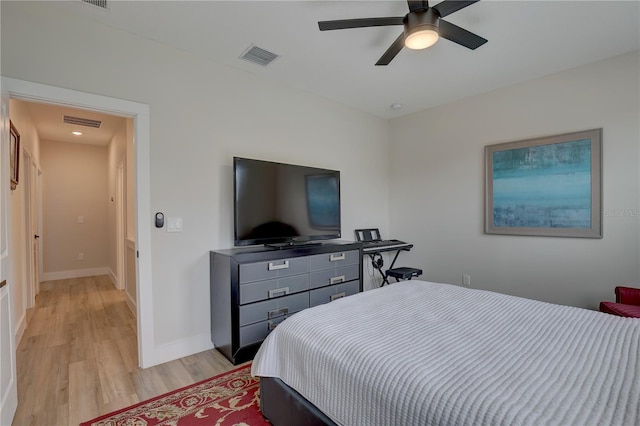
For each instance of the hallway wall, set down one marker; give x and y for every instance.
(75, 190)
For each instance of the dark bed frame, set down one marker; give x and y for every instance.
(283, 406)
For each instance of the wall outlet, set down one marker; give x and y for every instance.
(80, 256)
(466, 280)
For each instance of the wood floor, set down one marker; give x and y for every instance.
(78, 356)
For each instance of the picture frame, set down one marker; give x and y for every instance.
(14, 155)
(549, 186)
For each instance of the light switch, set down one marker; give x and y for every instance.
(174, 224)
(80, 219)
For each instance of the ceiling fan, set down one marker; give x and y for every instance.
(423, 26)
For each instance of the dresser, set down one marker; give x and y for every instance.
(255, 289)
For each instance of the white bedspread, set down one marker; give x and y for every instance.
(419, 353)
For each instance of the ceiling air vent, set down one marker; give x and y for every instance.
(99, 3)
(259, 56)
(81, 121)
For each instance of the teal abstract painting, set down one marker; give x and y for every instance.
(549, 186)
(546, 186)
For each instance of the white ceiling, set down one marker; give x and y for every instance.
(527, 39)
(48, 122)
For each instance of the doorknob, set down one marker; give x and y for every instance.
(36, 236)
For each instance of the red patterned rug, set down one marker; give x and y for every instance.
(231, 398)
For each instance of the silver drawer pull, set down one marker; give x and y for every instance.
(339, 279)
(274, 267)
(278, 312)
(338, 296)
(272, 324)
(278, 292)
(336, 257)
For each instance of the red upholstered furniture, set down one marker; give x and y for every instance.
(627, 303)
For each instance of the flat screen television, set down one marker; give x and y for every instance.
(282, 204)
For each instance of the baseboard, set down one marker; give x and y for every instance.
(20, 328)
(76, 273)
(182, 348)
(131, 304)
(114, 279)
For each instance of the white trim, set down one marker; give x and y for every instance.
(26, 90)
(120, 226)
(184, 347)
(130, 303)
(75, 273)
(113, 278)
(20, 328)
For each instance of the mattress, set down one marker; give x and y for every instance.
(421, 353)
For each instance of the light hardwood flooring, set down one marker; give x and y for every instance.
(78, 356)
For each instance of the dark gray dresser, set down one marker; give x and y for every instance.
(254, 289)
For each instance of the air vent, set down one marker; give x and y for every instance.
(98, 3)
(259, 56)
(81, 121)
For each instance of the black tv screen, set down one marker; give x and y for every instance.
(284, 203)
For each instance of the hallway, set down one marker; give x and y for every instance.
(77, 358)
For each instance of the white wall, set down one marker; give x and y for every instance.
(74, 185)
(201, 116)
(437, 185)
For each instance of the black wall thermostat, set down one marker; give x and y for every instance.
(159, 220)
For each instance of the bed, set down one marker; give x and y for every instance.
(422, 353)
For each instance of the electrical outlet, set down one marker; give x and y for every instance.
(80, 256)
(466, 280)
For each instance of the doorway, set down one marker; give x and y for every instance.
(32, 219)
(28, 91)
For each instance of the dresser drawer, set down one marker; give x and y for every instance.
(273, 269)
(328, 294)
(274, 308)
(334, 276)
(257, 332)
(269, 289)
(319, 262)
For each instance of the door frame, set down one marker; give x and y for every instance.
(30, 210)
(139, 112)
(8, 374)
(120, 225)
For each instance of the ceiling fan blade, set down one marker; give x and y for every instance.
(447, 7)
(460, 35)
(359, 23)
(392, 51)
(418, 5)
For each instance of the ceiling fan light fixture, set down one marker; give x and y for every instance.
(421, 29)
(421, 39)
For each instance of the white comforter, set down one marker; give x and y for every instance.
(419, 353)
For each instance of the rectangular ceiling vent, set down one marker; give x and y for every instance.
(259, 56)
(81, 121)
(98, 3)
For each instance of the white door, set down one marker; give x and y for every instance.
(31, 228)
(32, 217)
(8, 383)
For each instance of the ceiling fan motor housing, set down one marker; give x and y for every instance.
(421, 21)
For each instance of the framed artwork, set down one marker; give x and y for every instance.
(14, 155)
(549, 186)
